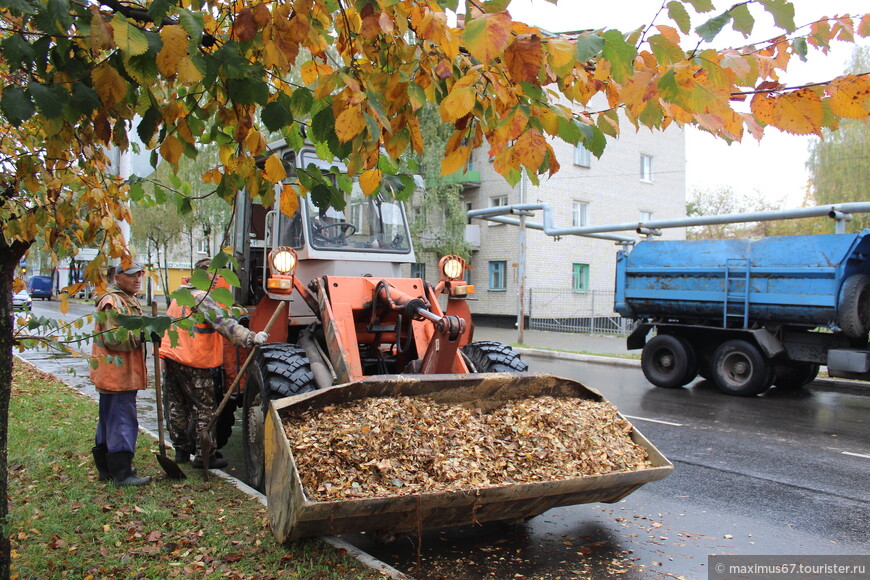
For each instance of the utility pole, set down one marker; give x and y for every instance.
(521, 270)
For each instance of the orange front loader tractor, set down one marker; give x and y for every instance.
(352, 318)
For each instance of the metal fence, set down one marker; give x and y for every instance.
(561, 310)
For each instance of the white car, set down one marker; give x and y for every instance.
(21, 300)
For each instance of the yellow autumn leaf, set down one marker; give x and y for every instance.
(309, 72)
(174, 49)
(171, 149)
(255, 142)
(102, 37)
(274, 170)
(289, 200)
(370, 181)
(188, 74)
(457, 104)
(109, 84)
(762, 107)
(455, 161)
(561, 55)
(799, 112)
(349, 124)
(129, 38)
(850, 96)
(64, 303)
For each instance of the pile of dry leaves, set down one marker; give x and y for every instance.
(405, 445)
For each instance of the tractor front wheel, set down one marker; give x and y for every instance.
(488, 356)
(278, 370)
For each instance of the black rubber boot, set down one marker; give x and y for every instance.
(216, 462)
(122, 471)
(99, 454)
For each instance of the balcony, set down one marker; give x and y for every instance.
(466, 178)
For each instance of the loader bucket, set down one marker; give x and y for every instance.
(294, 515)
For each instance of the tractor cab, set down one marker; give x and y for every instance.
(368, 237)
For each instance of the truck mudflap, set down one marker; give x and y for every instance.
(293, 515)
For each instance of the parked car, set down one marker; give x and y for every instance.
(21, 300)
(40, 287)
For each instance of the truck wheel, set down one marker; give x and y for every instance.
(853, 306)
(668, 361)
(793, 376)
(278, 370)
(488, 356)
(740, 369)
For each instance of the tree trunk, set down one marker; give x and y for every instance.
(10, 255)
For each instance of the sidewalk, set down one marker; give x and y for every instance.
(560, 341)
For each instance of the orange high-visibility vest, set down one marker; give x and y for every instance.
(203, 350)
(131, 374)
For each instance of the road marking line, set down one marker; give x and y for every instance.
(855, 454)
(654, 421)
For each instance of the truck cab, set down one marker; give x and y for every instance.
(368, 237)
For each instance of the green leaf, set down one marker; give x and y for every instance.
(183, 204)
(301, 101)
(589, 44)
(200, 280)
(148, 126)
(652, 115)
(230, 277)
(593, 139)
(710, 29)
(799, 45)
(15, 105)
(19, 6)
(223, 296)
(17, 51)
(569, 132)
(743, 19)
(782, 12)
(55, 17)
(323, 125)
(158, 324)
(192, 23)
(233, 63)
(701, 5)
(665, 51)
(129, 322)
(158, 9)
(321, 196)
(620, 54)
(49, 99)
(184, 297)
(219, 260)
(84, 100)
(677, 12)
(248, 91)
(276, 115)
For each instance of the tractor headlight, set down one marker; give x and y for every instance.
(283, 260)
(452, 267)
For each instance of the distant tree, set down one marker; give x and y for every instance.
(839, 162)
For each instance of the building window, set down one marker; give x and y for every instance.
(582, 156)
(645, 216)
(418, 270)
(580, 214)
(646, 168)
(580, 278)
(202, 247)
(499, 201)
(468, 208)
(497, 275)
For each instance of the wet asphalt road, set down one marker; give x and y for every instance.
(785, 473)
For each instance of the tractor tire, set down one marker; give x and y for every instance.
(278, 370)
(740, 369)
(669, 362)
(795, 375)
(853, 306)
(488, 356)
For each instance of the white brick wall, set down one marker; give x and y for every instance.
(615, 193)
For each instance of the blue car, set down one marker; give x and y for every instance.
(39, 287)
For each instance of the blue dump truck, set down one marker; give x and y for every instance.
(748, 314)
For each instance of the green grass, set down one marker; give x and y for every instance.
(66, 524)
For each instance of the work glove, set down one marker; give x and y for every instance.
(261, 338)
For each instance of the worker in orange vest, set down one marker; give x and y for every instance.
(117, 385)
(190, 369)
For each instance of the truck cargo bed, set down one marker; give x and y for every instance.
(294, 515)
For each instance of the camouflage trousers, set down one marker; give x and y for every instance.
(190, 397)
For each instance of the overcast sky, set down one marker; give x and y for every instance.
(775, 168)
